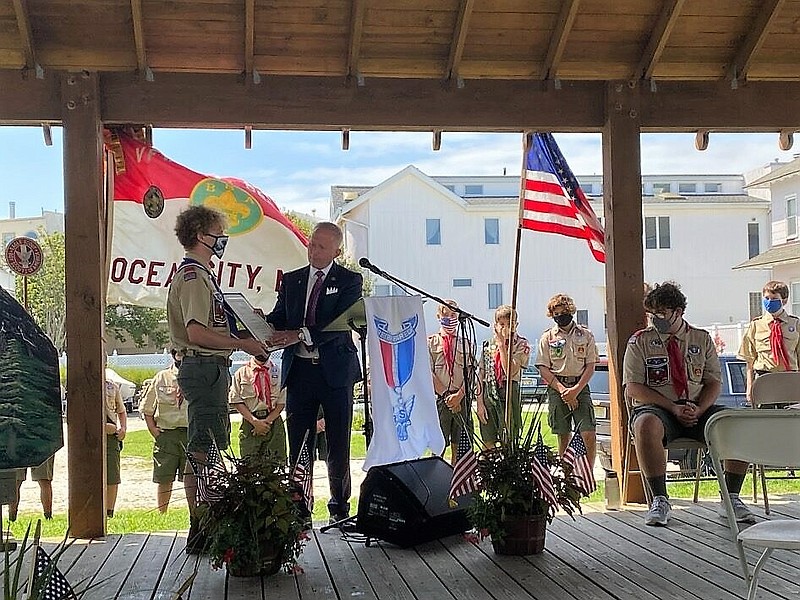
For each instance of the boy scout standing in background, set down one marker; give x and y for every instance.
(256, 393)
(167, 420)
(495, 368)
(116, 426)
(447, 367)
(772, 341)
(566, 359)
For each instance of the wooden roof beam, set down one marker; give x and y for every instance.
(459, 38)
(138, 39)
(753, 41)
(249, 41)
(357, 10)
(566, 18)
(659, 36)
(26, 36)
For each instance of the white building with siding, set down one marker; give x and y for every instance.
(455, 237)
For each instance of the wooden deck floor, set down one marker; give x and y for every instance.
(601, 555)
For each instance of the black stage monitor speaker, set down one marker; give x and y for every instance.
(406, 503)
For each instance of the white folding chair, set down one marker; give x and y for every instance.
(773, 389)
(769, 437)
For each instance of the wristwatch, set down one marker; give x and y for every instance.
(301, 335)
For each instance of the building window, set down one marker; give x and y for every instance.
(495, 295)
(656, 232)
(687, 188)
(433, 232)
(795, 296)
(451, 187)
(582, 317)
(791, 216)
(754, 304)
(661, 188)
(389, 290)
(752, 240)
(473, 190)
(712, 188)
(462, 282)
(587, 188)
(491, 231)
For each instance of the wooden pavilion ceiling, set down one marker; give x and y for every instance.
(440, 39)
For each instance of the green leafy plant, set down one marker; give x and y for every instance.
(257, 523)
(509, 488)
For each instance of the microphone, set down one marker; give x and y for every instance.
(364, 263)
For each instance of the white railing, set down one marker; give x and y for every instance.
(726, 336)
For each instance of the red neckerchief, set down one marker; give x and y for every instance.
(777, 344)
(261, 384)
(449, 348)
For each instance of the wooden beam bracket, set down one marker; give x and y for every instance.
(437, 140)
(346, 138)
(701, 140)
(786, 139)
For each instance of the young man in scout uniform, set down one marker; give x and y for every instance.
(200, 331)
(671, 374)
(566, 359)
(446, 355)
(772, 340)
(495, 368)
(256, 393)
(167, 419)
(116, 426)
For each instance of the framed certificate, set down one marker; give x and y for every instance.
(248, 318)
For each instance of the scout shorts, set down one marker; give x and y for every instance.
(562, 420)
(169, 455)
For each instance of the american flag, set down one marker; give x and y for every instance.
(552, 199)
(540, 469)
(54, 585)
(465, 471)
(302, 476)
(209, 474)
(577, 456)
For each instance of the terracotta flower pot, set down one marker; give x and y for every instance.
(524, 536)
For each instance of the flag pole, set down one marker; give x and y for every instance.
(527, 140)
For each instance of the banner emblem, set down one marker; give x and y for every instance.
(397, 356)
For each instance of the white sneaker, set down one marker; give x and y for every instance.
(659, 512)
(743, 514)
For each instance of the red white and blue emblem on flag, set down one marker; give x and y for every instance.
(397, 356)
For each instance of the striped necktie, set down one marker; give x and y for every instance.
(311, 308)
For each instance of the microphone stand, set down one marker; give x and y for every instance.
(461, 312)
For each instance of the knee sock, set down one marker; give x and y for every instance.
(734, 481)
(658, 485)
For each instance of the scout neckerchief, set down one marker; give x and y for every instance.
(777, 344)
(449, 350)
(232, 328)
(261, 383)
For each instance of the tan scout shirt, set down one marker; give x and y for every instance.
(520, 355)
(113, 402)
(647, 362)
(439, 364)
(755, 348)
(193, 297)
(163, 402)
(567, 353)
(243, 391)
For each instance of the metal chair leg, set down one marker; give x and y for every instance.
(762, 470)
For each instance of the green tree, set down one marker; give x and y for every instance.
(46, 291)
(304, 224)
(140, 324)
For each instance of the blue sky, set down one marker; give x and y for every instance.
(297, 169)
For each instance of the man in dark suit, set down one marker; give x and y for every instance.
(320, 367)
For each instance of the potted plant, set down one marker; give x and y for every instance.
(517, 499)
(256, 521)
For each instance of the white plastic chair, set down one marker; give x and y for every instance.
(781, 389)
(767, 436)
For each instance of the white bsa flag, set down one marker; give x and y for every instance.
(405, 419)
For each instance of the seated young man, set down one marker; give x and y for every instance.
(671, 373)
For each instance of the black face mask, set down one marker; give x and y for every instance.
(563, 320)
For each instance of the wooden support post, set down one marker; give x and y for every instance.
(622, 204)
(85, 275)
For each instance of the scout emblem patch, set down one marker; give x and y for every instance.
(657, 371)
(557, 348)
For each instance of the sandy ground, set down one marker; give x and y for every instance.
(137, 489)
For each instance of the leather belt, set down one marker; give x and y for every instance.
(260, 414)
(311, 359)
(568, 379)
(760, 372)
(217, 360)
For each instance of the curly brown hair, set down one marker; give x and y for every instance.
(562, 301)
(194, 221)
(664, 296)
